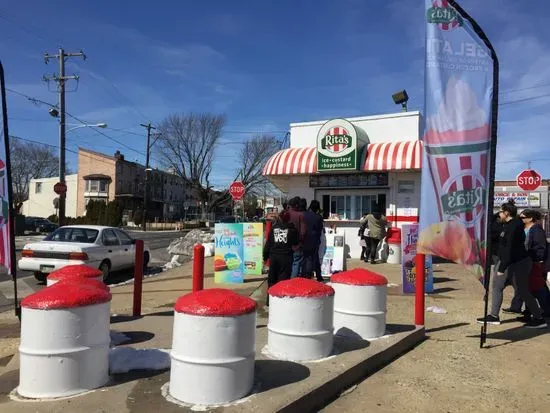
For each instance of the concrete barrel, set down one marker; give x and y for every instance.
(360, 303)
(300, 325)
(65, 340)
(213, 347)
(72, 272)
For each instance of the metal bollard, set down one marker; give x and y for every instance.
(138, 278)
(419, 289)
(198, 267)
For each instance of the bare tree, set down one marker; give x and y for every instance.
(254, 155)
(30, 161)
(187, 143)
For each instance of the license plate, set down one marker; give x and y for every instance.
(46, 268)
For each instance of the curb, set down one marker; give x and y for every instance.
(320, 397)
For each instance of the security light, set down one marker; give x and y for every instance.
(401, 98)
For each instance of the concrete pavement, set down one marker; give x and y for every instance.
(280, 386)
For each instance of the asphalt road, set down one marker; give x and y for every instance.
(157, 242)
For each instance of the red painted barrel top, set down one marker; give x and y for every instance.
(86, 281)
(359, 276)
(215, 302)
(75, 271)
(300, 287)
(63, 295)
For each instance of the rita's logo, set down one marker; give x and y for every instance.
(336, 140)
(465, 200)
(444, 15)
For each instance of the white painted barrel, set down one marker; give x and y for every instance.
(360, 303)
(300, 325)
(65, 340)
(394, 253)
(213, 347)
(74, 272)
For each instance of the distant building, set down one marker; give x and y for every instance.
(41, 197)
(106, 177)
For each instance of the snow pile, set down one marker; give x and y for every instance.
(125, 359)
(181, 249)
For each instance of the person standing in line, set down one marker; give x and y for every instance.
(314, 223)
(514, 264)
(297, 219)
(278, 249)
(535, 242)
(376, 223)
(363, 235)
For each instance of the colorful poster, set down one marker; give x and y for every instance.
(409, 239)
(458, 143)
(253, 233)
(229, 258)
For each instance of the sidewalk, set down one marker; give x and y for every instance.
(280, 385)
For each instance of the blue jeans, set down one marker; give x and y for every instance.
(297, 264)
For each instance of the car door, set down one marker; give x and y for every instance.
(128, 249)
(113, 249)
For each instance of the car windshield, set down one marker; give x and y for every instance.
(68, 234)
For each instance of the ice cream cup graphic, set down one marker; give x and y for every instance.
(457, 143)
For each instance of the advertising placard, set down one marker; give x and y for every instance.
(229, 258)
(409, 238)
(253, 234)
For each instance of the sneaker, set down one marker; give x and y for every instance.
(526, 318)
(536, 323)
(490, 320)
(511, 311)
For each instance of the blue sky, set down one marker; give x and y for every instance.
(263, 63)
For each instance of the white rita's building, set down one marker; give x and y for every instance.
(352, 166)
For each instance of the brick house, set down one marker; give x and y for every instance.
(105, 177)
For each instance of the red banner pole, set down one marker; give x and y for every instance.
(138, 278)
(268, 225)
(419, 290)
(198, 267)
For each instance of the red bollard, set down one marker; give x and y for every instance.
(268, 225)
(419, 299)
(138, 278)
(198, 267)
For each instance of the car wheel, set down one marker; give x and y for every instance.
(146, 260)
(105, 268)
(40, 276)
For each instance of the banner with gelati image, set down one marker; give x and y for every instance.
(459, 138)
(229, 258)
(253, 235)
(409, 239)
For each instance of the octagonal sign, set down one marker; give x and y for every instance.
(529, 180)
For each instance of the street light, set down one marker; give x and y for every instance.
(401, 98)
(87, 125)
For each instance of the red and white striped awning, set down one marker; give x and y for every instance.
(292, 161)
(393, 156)
(388, 156)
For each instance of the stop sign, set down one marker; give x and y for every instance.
(60, 188)
(236, 189)
(529, 180)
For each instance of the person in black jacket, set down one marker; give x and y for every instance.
(312, 242)
(278, 248)
(514, 263)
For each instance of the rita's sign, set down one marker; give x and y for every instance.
(338, 146)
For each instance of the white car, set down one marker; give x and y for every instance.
(107, 248)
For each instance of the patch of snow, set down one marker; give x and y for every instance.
(118, 338)
(125, 359)
(436, 310)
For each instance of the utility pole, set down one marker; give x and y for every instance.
(149, 127)
(60, 80)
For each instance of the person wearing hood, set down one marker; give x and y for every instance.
(535, 243)
(376, 224)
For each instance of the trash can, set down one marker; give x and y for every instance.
(394, 245)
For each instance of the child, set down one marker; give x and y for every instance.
(278, 248)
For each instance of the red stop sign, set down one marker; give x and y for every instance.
(529, 180)
(236, 189)
(60, 188)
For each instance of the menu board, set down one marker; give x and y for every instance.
(349, 180)
(253, 234)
